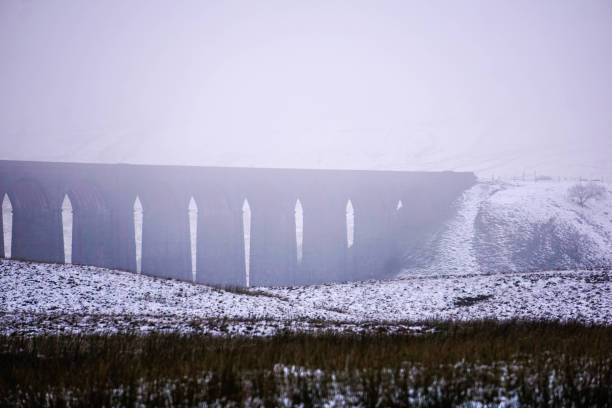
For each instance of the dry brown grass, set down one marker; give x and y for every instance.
(533, 363)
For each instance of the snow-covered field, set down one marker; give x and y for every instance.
(48, 298)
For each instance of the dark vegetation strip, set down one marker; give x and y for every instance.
(534, 363)
(510, 273)
(242, 290)
(471, 300)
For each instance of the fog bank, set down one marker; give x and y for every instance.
(497, 87)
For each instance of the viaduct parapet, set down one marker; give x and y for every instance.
(103, 196)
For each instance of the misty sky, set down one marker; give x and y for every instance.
(492, 86)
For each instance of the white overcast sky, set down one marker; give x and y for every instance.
(491, 86)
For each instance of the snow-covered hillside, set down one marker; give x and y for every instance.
(520, 226)
(48, 298)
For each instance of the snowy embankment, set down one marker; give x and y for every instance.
(520, 226)
(49, 298)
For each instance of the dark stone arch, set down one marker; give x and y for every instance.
(324, 245)
(92, 231)
(373, 252)
(165, 232)
(123, 247)
(37, 223)
(220, 245)
(273, 246)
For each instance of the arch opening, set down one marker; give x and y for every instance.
(350, 224)
(193, 235)
(7, 225)
(246, 226)
(138, 221)
(299, 231)
(67, 217)
(399, 205)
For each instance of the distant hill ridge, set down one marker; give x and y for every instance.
(518, 226)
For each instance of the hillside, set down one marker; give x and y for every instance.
(51, 298)
(518, 226)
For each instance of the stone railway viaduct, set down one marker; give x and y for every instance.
(103, 195)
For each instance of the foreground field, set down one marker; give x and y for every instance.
(472, 363)
(48, 298)
(85, 336)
